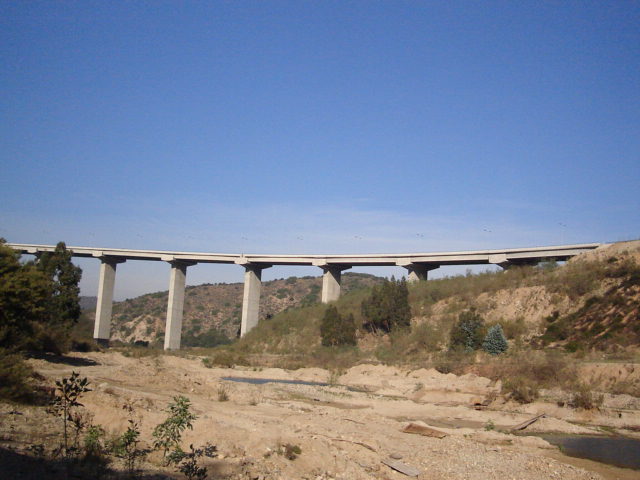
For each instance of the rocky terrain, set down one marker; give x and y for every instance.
(351, 428)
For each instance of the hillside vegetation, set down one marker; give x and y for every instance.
(589, 303)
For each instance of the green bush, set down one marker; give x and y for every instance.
(336, 329)
(469, 331)
(14, 377)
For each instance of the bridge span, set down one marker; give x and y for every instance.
(417, 265)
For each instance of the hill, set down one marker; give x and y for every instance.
(212, 312)
(589, 303)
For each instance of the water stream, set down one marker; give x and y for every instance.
(618, 451)
(262, 381)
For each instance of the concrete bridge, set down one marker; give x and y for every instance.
(417, 264)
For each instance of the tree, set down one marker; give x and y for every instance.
(495, 342)
(468, 332)
(65, 278)
(388, 306)
(53, 333)
(39, 301)
(336, 329)
(24, 299)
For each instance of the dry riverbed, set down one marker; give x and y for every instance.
(345, 430)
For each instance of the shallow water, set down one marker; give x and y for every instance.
(262, 381)
(618, 451)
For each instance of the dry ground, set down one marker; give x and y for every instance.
(343, 433)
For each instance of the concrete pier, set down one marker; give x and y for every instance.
(251, 296)
(418, 271)
(175, 305)
(331, 282)
(106, 283)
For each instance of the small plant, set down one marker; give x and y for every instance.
(521, 389)
(289, 451)
(96, 454)
(207, 362)
(126, 447)
(68, 392)
(169, 433)
(94, 441)
(583, 397)
(187, 463)
(223, 393)
(256, 397)
(37, 449)
(489, 425)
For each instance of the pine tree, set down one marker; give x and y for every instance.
(495, 342)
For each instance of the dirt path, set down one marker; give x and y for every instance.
(342, 433)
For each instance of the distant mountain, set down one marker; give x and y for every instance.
(212, 312)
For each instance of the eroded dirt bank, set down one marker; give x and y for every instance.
(343, 433)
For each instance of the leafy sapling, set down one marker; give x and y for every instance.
(68, 392)
(168, 434)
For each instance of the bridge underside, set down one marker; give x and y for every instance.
(417, 265)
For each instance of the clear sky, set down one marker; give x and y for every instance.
(312, 127)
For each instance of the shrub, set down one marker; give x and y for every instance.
(225, 358)
(223, 393)
(583, 397)
(336, 329)
(14, 377)
(495, 342)
(521, 389)
(453, 361)
(289, 451)
(426, 337)
(468, 332)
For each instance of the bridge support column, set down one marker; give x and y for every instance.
(106, 283)
(418, 271)
(175, 305)
(251, 296)
(331, 280)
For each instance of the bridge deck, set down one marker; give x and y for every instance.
(477, 257)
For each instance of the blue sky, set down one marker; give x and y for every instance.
(298, 126)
